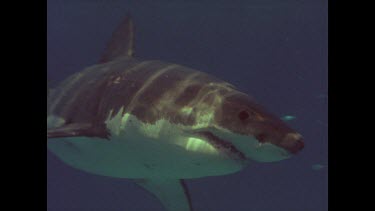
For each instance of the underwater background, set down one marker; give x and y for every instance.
(274, 50)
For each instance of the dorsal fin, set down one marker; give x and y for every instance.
(122, 41)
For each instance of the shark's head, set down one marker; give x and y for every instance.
(245, 129)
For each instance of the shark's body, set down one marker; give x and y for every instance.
(159, 123)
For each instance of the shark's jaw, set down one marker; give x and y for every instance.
(243, 147)
(222, 145)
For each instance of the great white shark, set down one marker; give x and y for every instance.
(159, 123)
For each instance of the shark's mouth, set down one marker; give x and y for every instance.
(223, 145)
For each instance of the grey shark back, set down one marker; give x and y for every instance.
(150, 90)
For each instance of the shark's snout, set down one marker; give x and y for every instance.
(293, 142)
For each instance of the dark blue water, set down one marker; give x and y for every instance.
(275, 50)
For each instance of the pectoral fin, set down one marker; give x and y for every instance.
(172, 193)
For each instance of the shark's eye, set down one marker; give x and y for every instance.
(243, 115)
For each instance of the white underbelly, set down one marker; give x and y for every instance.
(136, 152)
(139, 160)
